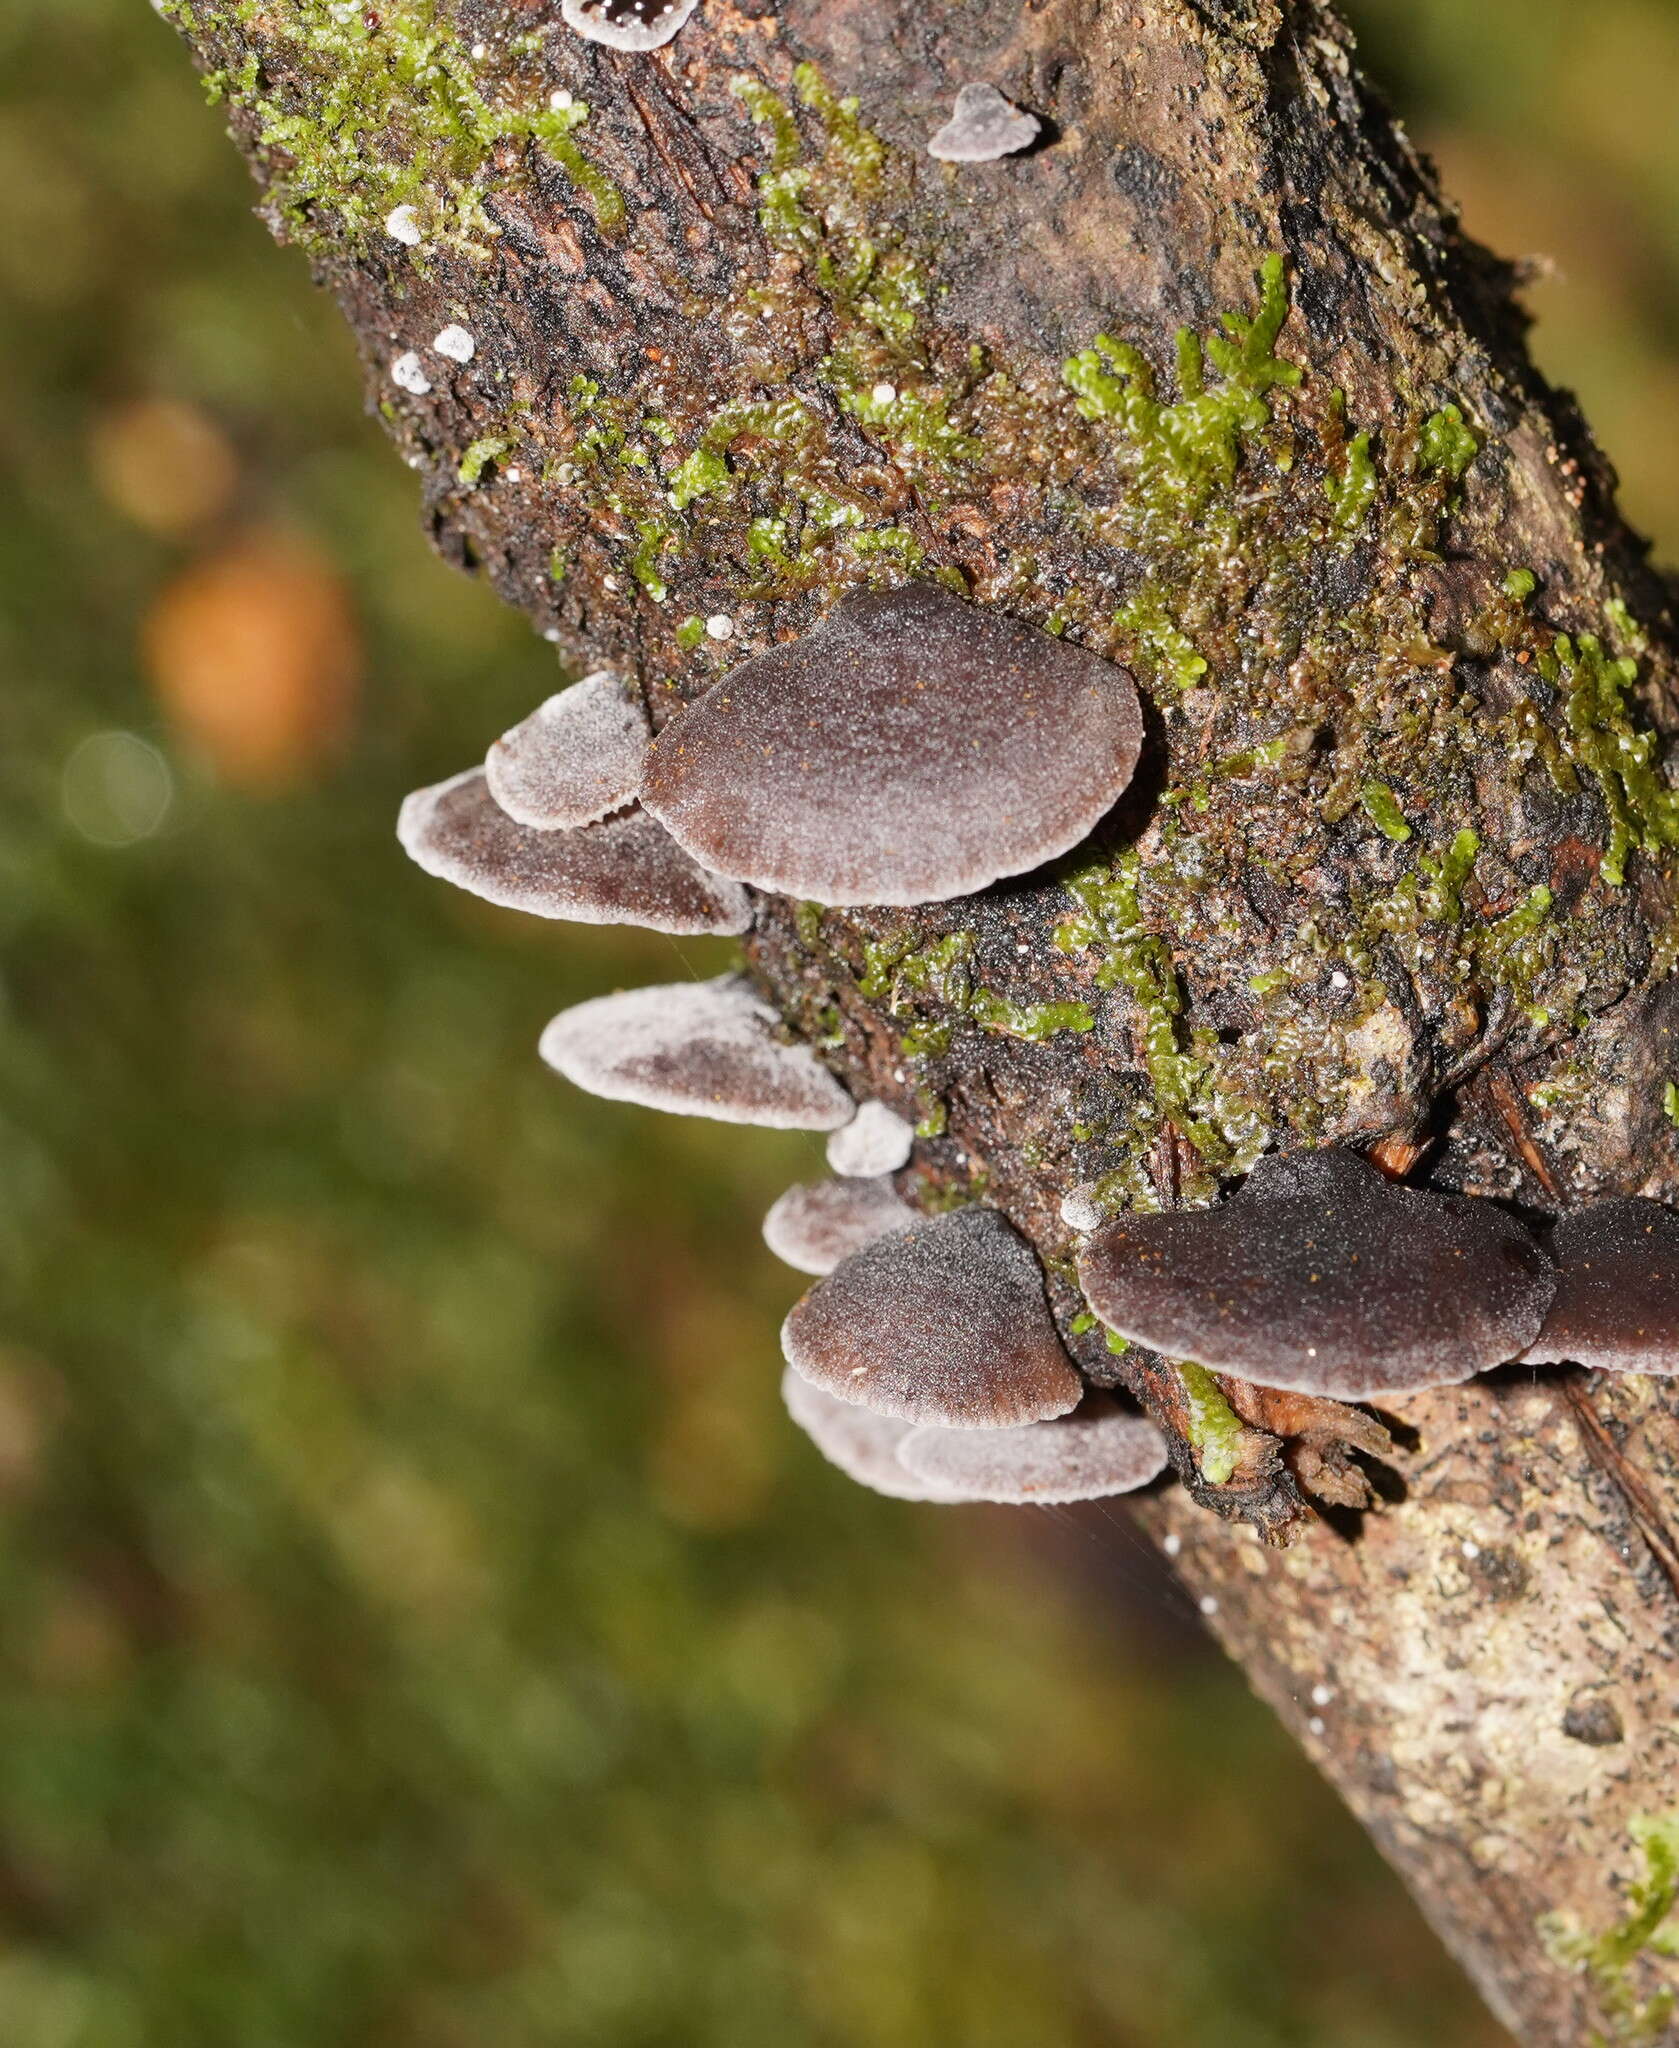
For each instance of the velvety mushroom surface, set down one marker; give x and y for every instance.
(1102, 1449)
(625, 870)
(1323, 1277)
(577, 757)
(627, 24)
(862, 1444)
(946, 1323)
(877, 1140)
(817, 1223)
(909, 749)
(982, 127)
(1617, 1299)
(696, 1048)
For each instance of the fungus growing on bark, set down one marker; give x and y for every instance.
(877, 1140)
(983, 127)
(1099, 1450)
(1617, 1298)
(909, 749)
(817, 1223)
(575, 759)
(625, 870)
(696, 1048)
(862, 1444)
(627, 24)
(1321, 1276)
(946, 1322)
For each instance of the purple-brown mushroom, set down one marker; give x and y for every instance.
(624, 870)
(627, 24)
(1617, 1298)
(575, 759)
(1099, 1450)
(862, 1444)
(910, 748)
(706, 1048)
(982, 127)
(877, 1140)
(1322, 1277)
(946, 1323)
(817, 1223)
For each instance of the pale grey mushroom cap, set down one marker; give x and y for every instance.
(625, 870)
(575, 759)
(877, 1140)
(909, 749)
(1617, 1299)
(627, 24)
(695, 1048)
(817, 1223)
(983, 127)
(1321, 1276)
(946, 1322)
(1102, 1449)
(862, 1444)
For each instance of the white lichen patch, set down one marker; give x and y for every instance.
(455, 343)
(402, 224)
(877, 1140)
(408, 374)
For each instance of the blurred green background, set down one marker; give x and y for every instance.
(418, 1624)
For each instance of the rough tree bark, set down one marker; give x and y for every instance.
(1399, 873)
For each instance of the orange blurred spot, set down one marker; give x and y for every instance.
(255, 656)
(163, 464)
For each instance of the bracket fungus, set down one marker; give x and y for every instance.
(696, 1048)
(575, 759)
(627, 24)
(624, 870)
(946, 1323)
(877, 1140)
(1617, 1299)
(983, 126)
(862, 1444)
(1101, 1449)
(817, 1223)
(911, 748)
(1321, 1276)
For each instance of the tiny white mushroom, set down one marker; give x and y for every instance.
(1081, 1211)
(983, 127)
(720, 626)
(577, 757)
(877, 1140)
(1207, 1604)
(402, 225)
(1102, 1449)
(817, 1223)
(626, 24)
(408, 374)
(455, 343)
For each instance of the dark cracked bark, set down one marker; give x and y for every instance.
(1398, 870)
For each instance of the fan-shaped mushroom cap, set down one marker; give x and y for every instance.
(1320, 1276)
(1102, 1449)
(946, 1322)
(1617, 1299)
(983, 127)
(862, 1444)
(577, 757)
(816, 1224)
(877, 1140)
(909, 749)
(624, 870)
(696, 1048)
(627, 24)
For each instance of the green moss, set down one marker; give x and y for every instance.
(1159, 650)
(1353, 491)
(1382, 808)
(896, 971)
(479, 455)
(690, 633)
(1606, 1960)
(1446, 443)
(362, 110)
(1643, 810)
(704, 470)
(1213, 1427)
(1519, 584)
(1670, 1102)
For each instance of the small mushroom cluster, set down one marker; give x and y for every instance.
(908, 749)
